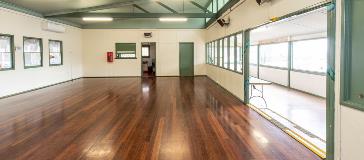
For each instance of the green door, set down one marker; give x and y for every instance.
(186, 59)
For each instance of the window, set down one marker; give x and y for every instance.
(215, 53)
(55, 52)
(226, 56)
(145, 51)
(232, 52)
(310, 55)
(125, 50)
(6, 52)
(239, 48)
(253, 57)
(221, 53)
(274, 55)
(33, 52)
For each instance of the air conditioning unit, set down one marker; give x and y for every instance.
(148, 35)
(223, 22)
(53, 27)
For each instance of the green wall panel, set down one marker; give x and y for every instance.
(186, 59)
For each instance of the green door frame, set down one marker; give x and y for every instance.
(193, 57)
(330, 76)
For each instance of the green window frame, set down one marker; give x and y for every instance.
(10, 51)
(32, 54)
(55, 52)
(125, 51)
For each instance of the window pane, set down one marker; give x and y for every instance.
(5, 44)
(221, 52)
(226, 47)
(310, 55)
(54, 46)
(232, 52)
(220, 4)
(55, 58)
(275, 55)
(253, 57)
(5, 60)
(32, 59)
(31, 45)
(145, 51)
(239, 53)
(5, 52)
(215, 52)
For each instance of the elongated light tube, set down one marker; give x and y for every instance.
(100, 19)
(173, 19)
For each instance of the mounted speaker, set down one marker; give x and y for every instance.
(148, 35)
(223, 22)
(260, 2)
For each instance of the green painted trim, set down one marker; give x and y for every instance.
(201, 7)
(17, 8)
(246, 66)
(50, 53)
(140, 8)
(138, 15)
(12, 53)
(346, 59)
(41, 53)
(95, 8)
(330, 83)
(166, 7)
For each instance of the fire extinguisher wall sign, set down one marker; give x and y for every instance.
(110, 57)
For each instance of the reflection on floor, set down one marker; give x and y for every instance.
(303, 113)
(148, 74)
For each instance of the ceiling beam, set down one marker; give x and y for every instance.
(140, 8)
(208, 3)
(139, 15)
(95, 8)
(166, 7)
(199, 6)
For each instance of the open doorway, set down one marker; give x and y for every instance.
(287, 70)
(148, 59)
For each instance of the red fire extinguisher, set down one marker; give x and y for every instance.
(110, 57)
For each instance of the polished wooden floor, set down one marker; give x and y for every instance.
(167, 118)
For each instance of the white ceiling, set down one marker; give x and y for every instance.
(308, 23)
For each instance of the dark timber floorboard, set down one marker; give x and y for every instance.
(167, 118)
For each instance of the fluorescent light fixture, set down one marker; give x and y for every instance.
(173, 19)
(101, 19)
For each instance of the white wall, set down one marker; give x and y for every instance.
(248, 15)
(99, 41)
(231, 81)
(311, 83)
(20, 79)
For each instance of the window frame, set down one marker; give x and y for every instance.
(41, 52)
(61, 52)
(225, 56)
(122, 43)
(148, 51)
(292, 60)
(12, 53)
